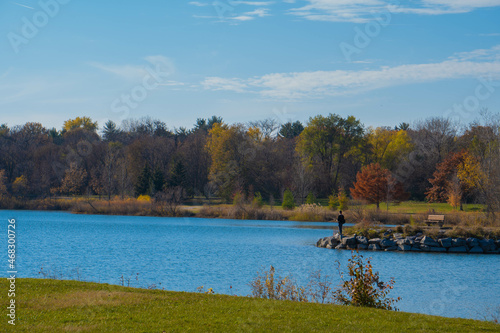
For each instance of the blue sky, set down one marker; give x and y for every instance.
(384, 62)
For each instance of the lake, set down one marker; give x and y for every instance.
(185, 253)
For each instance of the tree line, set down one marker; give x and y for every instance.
(433, 159)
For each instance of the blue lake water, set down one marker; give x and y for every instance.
(185, 253)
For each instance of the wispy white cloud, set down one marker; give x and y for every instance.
(198, 4)
(260, 12)
(360, 11)
(342, 82)
(138, 72)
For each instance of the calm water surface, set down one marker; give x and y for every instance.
(185, 253)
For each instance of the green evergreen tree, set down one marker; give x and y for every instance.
(178, 175)
(143, 184)
(158, 180)
(288, 200)
(310, 198)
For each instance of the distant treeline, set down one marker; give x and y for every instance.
(431, 159)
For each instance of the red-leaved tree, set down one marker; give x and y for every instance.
(376, 185)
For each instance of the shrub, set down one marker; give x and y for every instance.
(343, 200)
(364, 287)
(308, 212)
(257, 201)
(333, 201)
(288, 200)
(311, 199)
(143, 197)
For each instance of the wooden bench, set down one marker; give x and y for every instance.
(435, 219)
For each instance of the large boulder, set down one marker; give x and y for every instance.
(429, 242)
(416, 248)
(487, 245)
(476, 249)
(437, 249)
(374, 247)
(456, 242)
(349, 241)
(460, 249)
(445, 242)
(374, 241)
(404, 247)
(472, 242)
(391, 248)
(362, 246)
(340, 247)
(362, 240)
(386, 242)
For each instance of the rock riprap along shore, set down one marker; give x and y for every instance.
(417, 243)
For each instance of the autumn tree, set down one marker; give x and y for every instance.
(374, 185)
(388, 147)
(144, 182)
(75, 180)
(3, 184)
(446, 182)
(80, 122)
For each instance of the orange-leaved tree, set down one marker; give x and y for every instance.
(375, 185)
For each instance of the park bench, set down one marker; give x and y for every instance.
(435, 219)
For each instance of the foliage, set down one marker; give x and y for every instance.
(388, 146)
(311, 199)
(20, 185)
(144, 182)
(445, 172)
(257, 201)
(3, 185)
(291, 130)
(308, 212)
(80, 122)
(364, 288)
(143, 197)
(75, 180)
(375, 185)
(288, 200)
(158, 180)
(333, 201)
(343, 199)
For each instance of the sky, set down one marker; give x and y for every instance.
(384, 62)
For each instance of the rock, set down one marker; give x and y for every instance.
(419, 234)
(492, 252)
(398, 235)
(374, 247)
(329, 246)
(349, 241)
(391, 248)
(362, 246)
(471, 242)
(362, 240)
(388, 232)
(405, 241)
(460, 249)
(319, 243)
(487, 245)
(404, 247)
(437, 249)
(416, 249)
(387, 243)
(374, 241)
(418, 239)
(456, 242)
(429, 242)
(340, 247)
(497, 244)
(445, 242)
(476, 249)
(425, 248)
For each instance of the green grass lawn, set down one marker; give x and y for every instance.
(71, 306)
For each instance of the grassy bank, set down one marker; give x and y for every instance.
(71, 306)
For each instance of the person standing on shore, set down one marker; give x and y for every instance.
(341, 221)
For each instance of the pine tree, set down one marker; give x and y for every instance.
(158, 180)
(178, 175)
(288, 200)
(143, 185)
